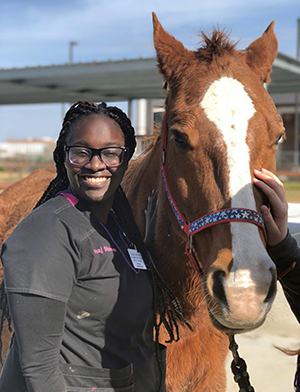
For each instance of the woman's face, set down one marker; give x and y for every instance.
(95, 182)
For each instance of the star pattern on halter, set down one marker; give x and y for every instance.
(229, 214)
(216, 217)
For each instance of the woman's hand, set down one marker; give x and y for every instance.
(276, 217)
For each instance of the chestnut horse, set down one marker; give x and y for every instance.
(220, 125)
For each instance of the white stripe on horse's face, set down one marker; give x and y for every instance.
(229, 107)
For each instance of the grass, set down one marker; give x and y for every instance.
(292, 188)
(292, 191)
(7, 176)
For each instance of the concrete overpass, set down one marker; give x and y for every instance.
(136, 81)
(111, 81)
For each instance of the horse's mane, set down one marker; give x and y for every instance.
(216, 45)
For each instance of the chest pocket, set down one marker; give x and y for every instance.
(90, 379)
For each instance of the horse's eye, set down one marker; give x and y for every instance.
(180, 139)
(281, 138)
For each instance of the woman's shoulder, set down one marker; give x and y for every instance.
(50, 210)
(53, 218)
(53, 205)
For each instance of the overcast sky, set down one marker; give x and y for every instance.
(37, 32)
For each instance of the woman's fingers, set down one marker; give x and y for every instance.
(270, 182)
(275, 218)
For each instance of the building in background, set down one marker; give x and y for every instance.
(28, 150)
(287, 156)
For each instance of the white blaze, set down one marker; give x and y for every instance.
(229, 107)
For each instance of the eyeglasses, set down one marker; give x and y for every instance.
(111, 156)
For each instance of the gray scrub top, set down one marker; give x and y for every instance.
(60, 251)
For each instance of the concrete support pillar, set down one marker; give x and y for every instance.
(129, 110)
(138, 113)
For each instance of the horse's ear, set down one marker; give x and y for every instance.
(262, 53)
(170, 53)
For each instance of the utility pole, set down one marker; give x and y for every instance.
(71, 45)
(298, 41)
(297, 103)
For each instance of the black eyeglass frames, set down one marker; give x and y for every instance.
(80, 156)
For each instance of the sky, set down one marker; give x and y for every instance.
(38, 32)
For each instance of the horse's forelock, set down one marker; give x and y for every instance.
(215, 45)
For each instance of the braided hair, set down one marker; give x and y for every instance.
(166, 307)
(74, 114)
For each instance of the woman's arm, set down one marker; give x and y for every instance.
(39, 325)
(286, 256)
(282, 247)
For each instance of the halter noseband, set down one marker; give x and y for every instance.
(220, 216)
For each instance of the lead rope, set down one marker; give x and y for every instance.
(239, 368)
(297, 376)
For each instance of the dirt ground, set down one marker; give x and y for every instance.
(270, 370)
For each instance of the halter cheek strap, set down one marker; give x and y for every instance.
(220, 216)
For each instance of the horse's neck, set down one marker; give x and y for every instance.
(142, 176)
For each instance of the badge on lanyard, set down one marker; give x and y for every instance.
(137, 259)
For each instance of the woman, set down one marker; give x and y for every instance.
(82, 290)
(282, 247)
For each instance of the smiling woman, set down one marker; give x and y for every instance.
(75, 266)
(89, 176)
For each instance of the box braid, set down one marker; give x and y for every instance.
(5, 316)
(166, 307)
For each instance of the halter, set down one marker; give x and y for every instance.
(220, 216)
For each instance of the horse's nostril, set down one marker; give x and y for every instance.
(272, 288)
(218, 286)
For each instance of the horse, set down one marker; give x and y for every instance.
(220, 124)
(209, 243)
